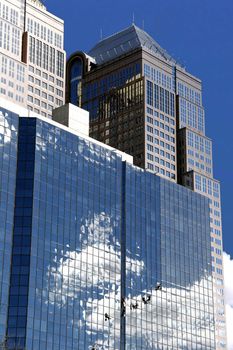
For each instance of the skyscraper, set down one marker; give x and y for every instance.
(96, 253)
(143, 102)
(31, 55)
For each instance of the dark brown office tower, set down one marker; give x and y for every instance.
(110, 83)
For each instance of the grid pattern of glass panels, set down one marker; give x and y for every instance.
(79, 189)
(119, 257)
(8, 162)
(74, 293)
(169, 301)
(186, 270)
(143, 259)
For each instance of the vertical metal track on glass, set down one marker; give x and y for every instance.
(20, 263)
(159, 230)
(123, 259)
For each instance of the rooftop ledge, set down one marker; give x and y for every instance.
(72, 127)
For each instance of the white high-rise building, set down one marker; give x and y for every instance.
(13, 80)
(32, 58)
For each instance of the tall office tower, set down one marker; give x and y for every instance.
(143, 102)
(110, 83)
(32, 58)
(96, 254)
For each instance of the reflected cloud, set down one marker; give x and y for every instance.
(170, 317)
(92, 274)
(7, 128)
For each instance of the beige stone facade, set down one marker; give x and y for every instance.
(195, 164)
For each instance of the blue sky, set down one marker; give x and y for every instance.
(196, 32)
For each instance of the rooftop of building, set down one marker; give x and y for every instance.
(39, 3)
(126, 41)
(38, 6)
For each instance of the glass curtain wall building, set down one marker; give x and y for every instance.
(97, 253)
(143, 102)
(32, 57)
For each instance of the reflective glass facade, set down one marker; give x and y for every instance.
(8, 163)
(116, 105)
(119, 258)
(168, 275)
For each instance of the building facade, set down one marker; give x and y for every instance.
(32, 56)
(143, 102)
(97, 253)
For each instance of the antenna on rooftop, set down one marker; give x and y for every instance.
(101, 34)
(133, 19)
(143, 24)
